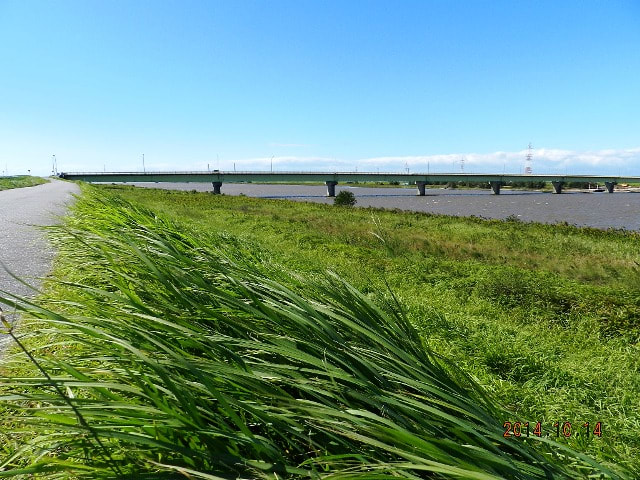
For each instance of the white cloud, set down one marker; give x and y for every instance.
(624, 162)
(288, 163)
(553, 161)
(544, 161)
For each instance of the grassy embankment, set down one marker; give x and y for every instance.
(20, 181)
(545, 317)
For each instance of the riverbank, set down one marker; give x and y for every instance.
(20, 181)
(544, 317)
(600, 210)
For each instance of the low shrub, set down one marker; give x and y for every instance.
(345, 198)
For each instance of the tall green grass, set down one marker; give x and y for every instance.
(181, 355)
(546, 317)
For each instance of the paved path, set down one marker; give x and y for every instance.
(24, 249)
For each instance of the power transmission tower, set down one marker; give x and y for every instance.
(527, 163)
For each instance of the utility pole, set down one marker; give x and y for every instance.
(272, 163)
(143, 167)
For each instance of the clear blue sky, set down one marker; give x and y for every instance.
(320, 85)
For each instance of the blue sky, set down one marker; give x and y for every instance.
(320, 85)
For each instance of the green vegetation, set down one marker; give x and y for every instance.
(568, 315)
(20, 181)
(345, 198)
(219, 343)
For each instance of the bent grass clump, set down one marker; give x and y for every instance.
(174, 355)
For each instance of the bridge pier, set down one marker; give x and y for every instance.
(557, 186)
(496, 179)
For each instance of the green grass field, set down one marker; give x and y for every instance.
(20, 181)
(545, 319)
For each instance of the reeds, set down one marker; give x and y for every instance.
(181, 355)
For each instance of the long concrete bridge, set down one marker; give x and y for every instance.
(331, 179)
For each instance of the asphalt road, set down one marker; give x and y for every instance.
(24, 249)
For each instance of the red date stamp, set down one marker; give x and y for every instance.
(557, 429)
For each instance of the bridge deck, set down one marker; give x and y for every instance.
(235, 177)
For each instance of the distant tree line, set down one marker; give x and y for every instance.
(486, 185)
